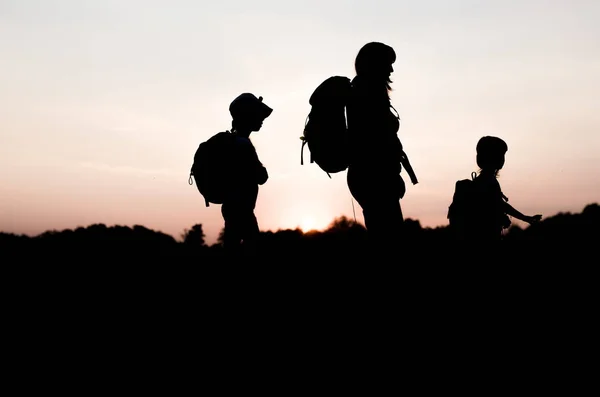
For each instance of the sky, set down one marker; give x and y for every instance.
(103, 104)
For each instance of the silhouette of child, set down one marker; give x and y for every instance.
(492, 206)
(241, 227)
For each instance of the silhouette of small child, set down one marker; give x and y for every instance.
(492, 206)
(241, 227)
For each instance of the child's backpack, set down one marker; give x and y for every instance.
(212, 168)
(463, 210)
(326, 128)
(460, 211)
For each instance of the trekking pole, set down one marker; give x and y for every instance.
(406, 164)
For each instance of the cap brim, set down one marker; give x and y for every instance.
(265, 111)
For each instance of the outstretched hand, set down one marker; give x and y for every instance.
(535, 218)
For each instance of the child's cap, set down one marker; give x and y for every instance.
(248, 104)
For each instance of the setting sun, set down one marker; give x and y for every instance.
(306, 218)
(308, 223)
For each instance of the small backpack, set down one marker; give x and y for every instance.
(326, 128)
(463, 210)
(463, 201)
(212, 168)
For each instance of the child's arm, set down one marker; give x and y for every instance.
(510, 210)
(260, 172)
(252, 167)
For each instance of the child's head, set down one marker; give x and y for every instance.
(248, 112)
(490, 153)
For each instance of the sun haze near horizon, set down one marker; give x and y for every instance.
(103, 104)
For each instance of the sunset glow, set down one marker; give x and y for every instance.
(103, 104)
(308, 224)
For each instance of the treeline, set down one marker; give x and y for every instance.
(573, 234)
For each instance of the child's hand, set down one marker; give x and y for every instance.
(535, 218)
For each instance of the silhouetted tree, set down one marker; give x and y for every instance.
(194, 236)
(565, 237)
(221, 237)
(343, 223)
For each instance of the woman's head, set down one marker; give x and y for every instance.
(374, 61)
(490, 153)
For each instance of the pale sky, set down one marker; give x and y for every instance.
(104, 102)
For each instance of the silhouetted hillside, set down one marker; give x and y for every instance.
(573, 234)
(91, 243)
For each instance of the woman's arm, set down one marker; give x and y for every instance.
(408, 167)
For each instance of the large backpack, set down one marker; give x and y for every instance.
(212, 168)
(326, 127)
(463, 210)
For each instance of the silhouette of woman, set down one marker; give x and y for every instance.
(491, 208)
(377, 155)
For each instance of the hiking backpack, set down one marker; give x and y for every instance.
(462, 212)
(326, 127)
(211, 168)
(463, 200)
